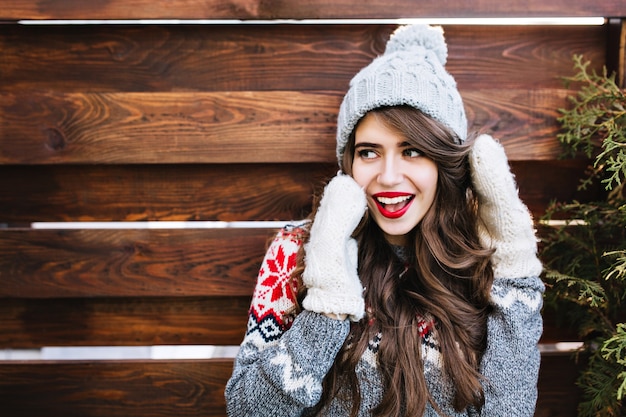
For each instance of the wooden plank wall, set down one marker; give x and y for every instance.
(217, 123)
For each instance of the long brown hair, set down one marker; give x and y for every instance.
(448, 279)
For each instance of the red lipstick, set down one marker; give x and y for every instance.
(393, 204)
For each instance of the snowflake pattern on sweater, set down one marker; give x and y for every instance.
(281, 363)
(275, 292)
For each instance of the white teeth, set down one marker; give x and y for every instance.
(393, 200)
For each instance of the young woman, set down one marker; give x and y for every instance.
(414, 291)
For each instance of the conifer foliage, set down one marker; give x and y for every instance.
(585, 256)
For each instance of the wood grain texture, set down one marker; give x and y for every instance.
(219, 122)
(241, 127)
(110, 58)
(174, 192)
(188, 58)
(147, 321)
(184, 388)
(145, 95)
(35, 323)
(126, 263)
(520, 57)
(238, 192)
(542, 182)
(146, 128)
(309, 9)
(113, 388)
(261, 94)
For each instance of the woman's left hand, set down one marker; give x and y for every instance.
(505, 222)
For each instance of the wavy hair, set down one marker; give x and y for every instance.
(448, 279)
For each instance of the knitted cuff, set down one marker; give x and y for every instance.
(321, 301)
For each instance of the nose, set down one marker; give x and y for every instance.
(391, 172)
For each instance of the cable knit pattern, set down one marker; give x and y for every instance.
(506, 223)
(411, 72)
(279, 373)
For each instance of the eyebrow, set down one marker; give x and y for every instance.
(404, 144)
(366, 145)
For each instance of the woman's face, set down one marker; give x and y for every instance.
(400, 183)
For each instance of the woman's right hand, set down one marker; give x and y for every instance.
(331, 254)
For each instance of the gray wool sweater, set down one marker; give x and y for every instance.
(281, 364)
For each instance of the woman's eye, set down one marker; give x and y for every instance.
(367, 154)
(412, 153)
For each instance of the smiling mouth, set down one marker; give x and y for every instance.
(393, 206)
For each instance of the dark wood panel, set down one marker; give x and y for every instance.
(225, 192)
(236, 192)
(555, 330)
(523, 120)
(35, 323)
(541, 182)
(109, 58)
(616, 49)
(181, 388)
(520, 57)
(252, 127)
(168, 127)
(558, 393)
(192, 122)
(309, 9)
(135, 262)
(109, 389)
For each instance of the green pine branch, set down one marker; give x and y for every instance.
(596, 124)
(585, 259)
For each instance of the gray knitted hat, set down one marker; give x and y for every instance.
(410, 72)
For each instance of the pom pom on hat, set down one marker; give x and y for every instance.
(410, 72)
(419, 36)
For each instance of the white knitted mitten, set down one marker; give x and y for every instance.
(331, 254)
(507, 224)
